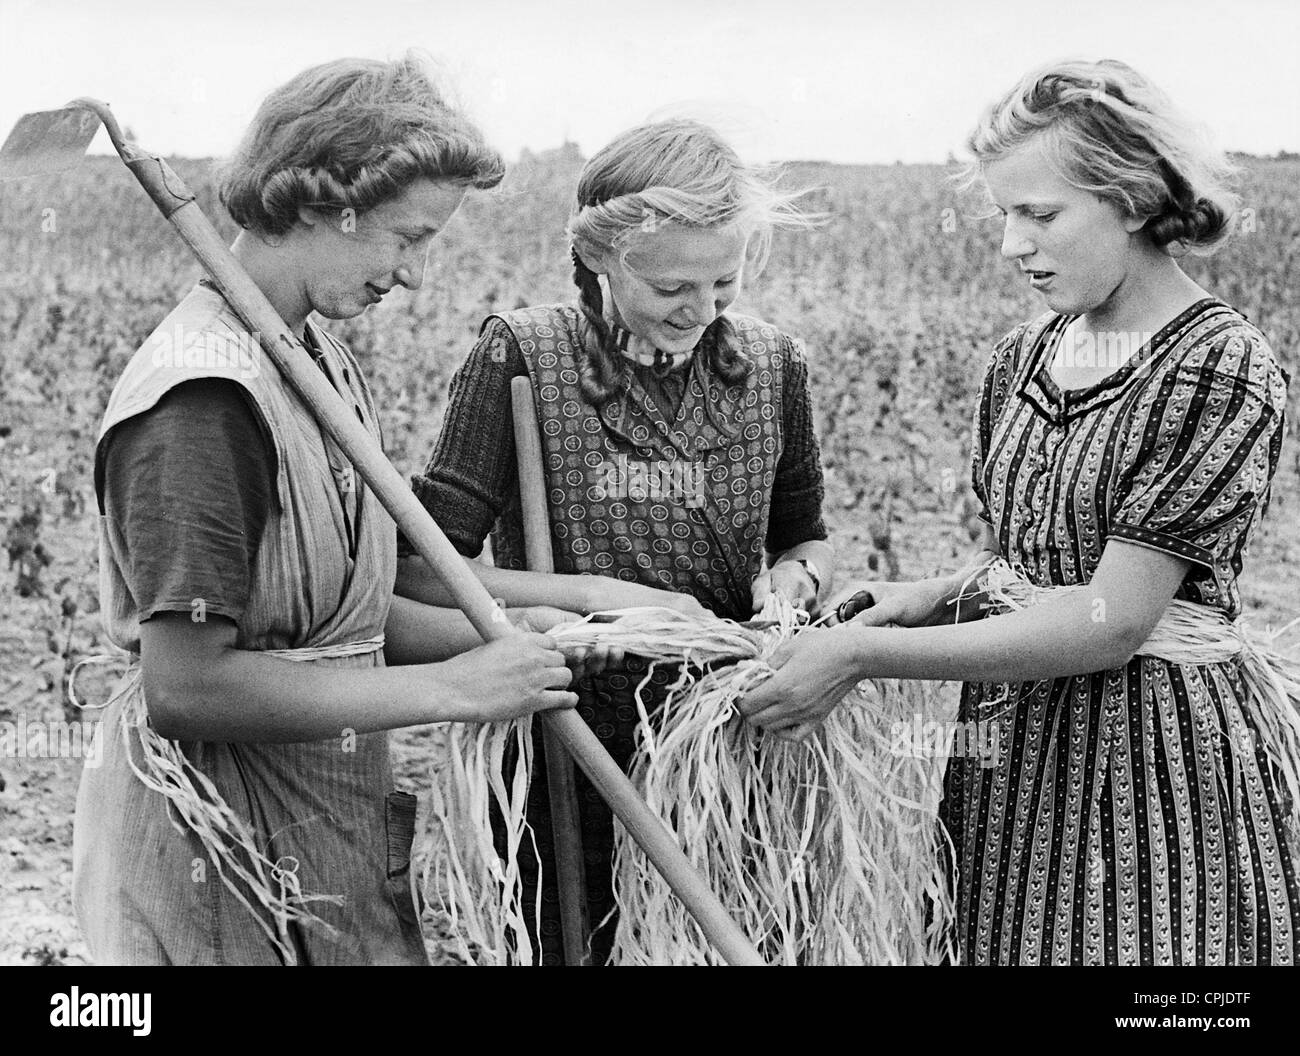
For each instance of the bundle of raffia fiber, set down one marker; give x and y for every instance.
(825, 852)
(269, 890)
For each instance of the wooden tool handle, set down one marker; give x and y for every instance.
(570, 874)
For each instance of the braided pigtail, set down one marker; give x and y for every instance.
(725, 359)
(600, 367)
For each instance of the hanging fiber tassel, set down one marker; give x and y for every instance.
(825, 852)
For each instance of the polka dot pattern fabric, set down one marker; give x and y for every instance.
(677, 503)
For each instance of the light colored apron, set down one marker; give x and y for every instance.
(323, 813)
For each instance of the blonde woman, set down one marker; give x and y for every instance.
(249, 573)
(1124, 443)
(679, 452)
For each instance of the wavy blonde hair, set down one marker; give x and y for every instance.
(351, 133)
(678, 171)
(1110, 131)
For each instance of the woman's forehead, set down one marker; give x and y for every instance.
(677, 250)
(423, 202)
(1026, 175)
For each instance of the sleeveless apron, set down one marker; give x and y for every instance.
(677, 503)
(145, 891)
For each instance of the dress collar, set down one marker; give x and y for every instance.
(637, 349)
(1058, 405)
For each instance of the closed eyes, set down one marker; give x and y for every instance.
(1039, 216)
(672, 291)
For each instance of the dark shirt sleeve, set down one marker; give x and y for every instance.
(798, 491)
(188, 487)
(471, 474)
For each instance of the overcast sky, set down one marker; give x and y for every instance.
(863, 81)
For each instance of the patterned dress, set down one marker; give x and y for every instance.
(1119, 823)
(683, 498)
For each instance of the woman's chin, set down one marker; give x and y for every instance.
(677, 342)
(1057, 302)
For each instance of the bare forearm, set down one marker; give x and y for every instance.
(1051, 640)
(246, 696)
(416, 580)
(421, 634)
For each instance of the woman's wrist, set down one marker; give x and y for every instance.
(862, 648)
(588, 595)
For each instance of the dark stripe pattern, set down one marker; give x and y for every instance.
(1131, 815)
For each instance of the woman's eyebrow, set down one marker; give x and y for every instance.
(673, 280)
(1031, 205)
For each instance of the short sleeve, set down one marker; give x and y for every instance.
(994, 388)
(798, 488)
(1203, 446)
(187, 490)
(470, 476)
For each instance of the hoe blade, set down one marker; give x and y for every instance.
(47, 141)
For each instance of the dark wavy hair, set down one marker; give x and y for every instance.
(351, 133)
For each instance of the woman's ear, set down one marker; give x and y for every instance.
(1132, 224)
(309, 216)
(596, 258)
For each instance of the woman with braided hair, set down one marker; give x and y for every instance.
(1141, 807)
(244, 811)
(679, 452)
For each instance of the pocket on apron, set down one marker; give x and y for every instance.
(399, 824)
(399, 821)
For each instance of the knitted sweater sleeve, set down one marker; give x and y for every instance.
(798, 490)
(471, 474)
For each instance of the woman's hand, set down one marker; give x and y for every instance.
(582, 660)
(788, 578)
(509, 678)
(605, 593)
(916, 603)
(814, 672)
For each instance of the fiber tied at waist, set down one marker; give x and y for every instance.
(1192, 634)
(328, 652)
(1186, 633)
(132, 674)
(267, 887)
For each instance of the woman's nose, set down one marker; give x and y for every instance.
(703, 308)
(410, 275)
(1014, 242)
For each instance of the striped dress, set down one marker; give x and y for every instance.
(1129, 816)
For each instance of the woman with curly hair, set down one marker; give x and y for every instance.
(245, 810)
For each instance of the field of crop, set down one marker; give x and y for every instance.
(898, 298)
